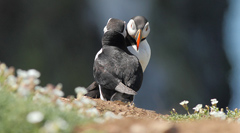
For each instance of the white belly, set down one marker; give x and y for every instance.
(143, 53)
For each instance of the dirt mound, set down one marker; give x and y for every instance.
(137, 120)
(126, 110)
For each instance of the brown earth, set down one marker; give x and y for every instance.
(137, 120)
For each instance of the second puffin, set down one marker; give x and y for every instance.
(117, 72)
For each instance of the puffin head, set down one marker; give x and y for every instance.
(138, 28)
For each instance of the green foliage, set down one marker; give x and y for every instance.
(27, 107)
(14, 110)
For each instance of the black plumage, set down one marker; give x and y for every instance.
(117, 72)
(140, 22)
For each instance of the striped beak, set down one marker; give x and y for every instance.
(138, 37)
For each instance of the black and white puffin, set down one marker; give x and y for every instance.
(117, 72)
(138, 29)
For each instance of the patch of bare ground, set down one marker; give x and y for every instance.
(137, 120)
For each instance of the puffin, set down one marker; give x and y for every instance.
(138, 29)
(117, 71)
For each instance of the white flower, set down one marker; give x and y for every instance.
(59, 86)
(22, 73)
(86, 101)
(27, 74)
(23, 91)
(41, 89)
(62, 124)
(78, 103)
(81, 90)
(12, 81)
(49, 127)
(185, 102)
(214, 101)
(92, 112)
(58, 92)
(42, 98)
(198, 107)
(61, 104)
(36, 81)
(218, 114)
(35, 117)
(55, 126)
(3, 67)
(111, 115)
(33, 73)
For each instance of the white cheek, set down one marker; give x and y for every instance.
(145, 33)
(131, 28)
(146, 30)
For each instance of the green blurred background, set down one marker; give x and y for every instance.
(60, 39)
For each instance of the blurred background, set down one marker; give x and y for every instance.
(195, 46)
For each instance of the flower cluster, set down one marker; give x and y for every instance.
(209, 111)
(26, 84)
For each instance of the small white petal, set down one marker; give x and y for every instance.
(185, 102)
(33, 73)
(61, 123)
(22, 73)
(3, 66)
(23, 91)
(60, 103)
(12, 81)
(214, 101)
(198, 107)
(35, 117)
(85, 100)
(92, 112)
(36, 81)
(109, 115)
(49, 127)
(218, 114)
(81, 90)
(58, 92)
(78, 103)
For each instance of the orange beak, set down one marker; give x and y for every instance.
(138, 37)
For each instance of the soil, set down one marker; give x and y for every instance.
(137, 120)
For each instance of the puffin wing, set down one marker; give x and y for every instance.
(107, 72)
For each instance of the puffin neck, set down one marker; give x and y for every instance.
(113, 38)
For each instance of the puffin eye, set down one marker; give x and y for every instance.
(146, 28)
